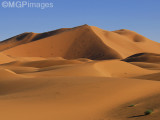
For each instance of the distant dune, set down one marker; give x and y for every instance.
(81, 73)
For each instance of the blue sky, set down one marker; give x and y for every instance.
(142, 16)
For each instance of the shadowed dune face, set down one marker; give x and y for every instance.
(48, 34)
(80, 42)
(42, 63)
(27, 37)
(16, 40)
(89, 45)
(144, 57)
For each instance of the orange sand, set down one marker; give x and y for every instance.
(82, 73)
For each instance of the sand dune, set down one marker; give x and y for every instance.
(27, 37)
(125, 44)
(146, 65)
(144, 57)
(154, 76)
(42, 63)
(86, 42)
(137, 112)
(111, 68)
(8, 74)
(70, 98)
(80, 42)
(133, 36)
(21, 69)
(5, 59)
(114, 67)
(88, 90)
(28, 59)
(81, 73)
(17, 40)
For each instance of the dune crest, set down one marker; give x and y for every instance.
(27, 37)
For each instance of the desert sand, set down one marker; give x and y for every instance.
(81, 73)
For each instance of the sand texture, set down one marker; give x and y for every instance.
(81, 73)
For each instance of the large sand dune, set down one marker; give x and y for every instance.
(82, 42)
(81, 73)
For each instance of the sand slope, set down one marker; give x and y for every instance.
(87, 90)
(70, 98)
(5, 59)
(27, 37)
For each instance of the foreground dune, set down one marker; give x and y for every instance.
(125, 112)
(70, 98)
(88, 90)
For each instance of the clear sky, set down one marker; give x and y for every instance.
(142, 16)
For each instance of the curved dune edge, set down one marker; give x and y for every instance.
(144, 57)
(110, 68)
(5, 59)
(42, 63)
(114, 67)
(51, 67)
(89, 90)
(21, 69)
(8, 74)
